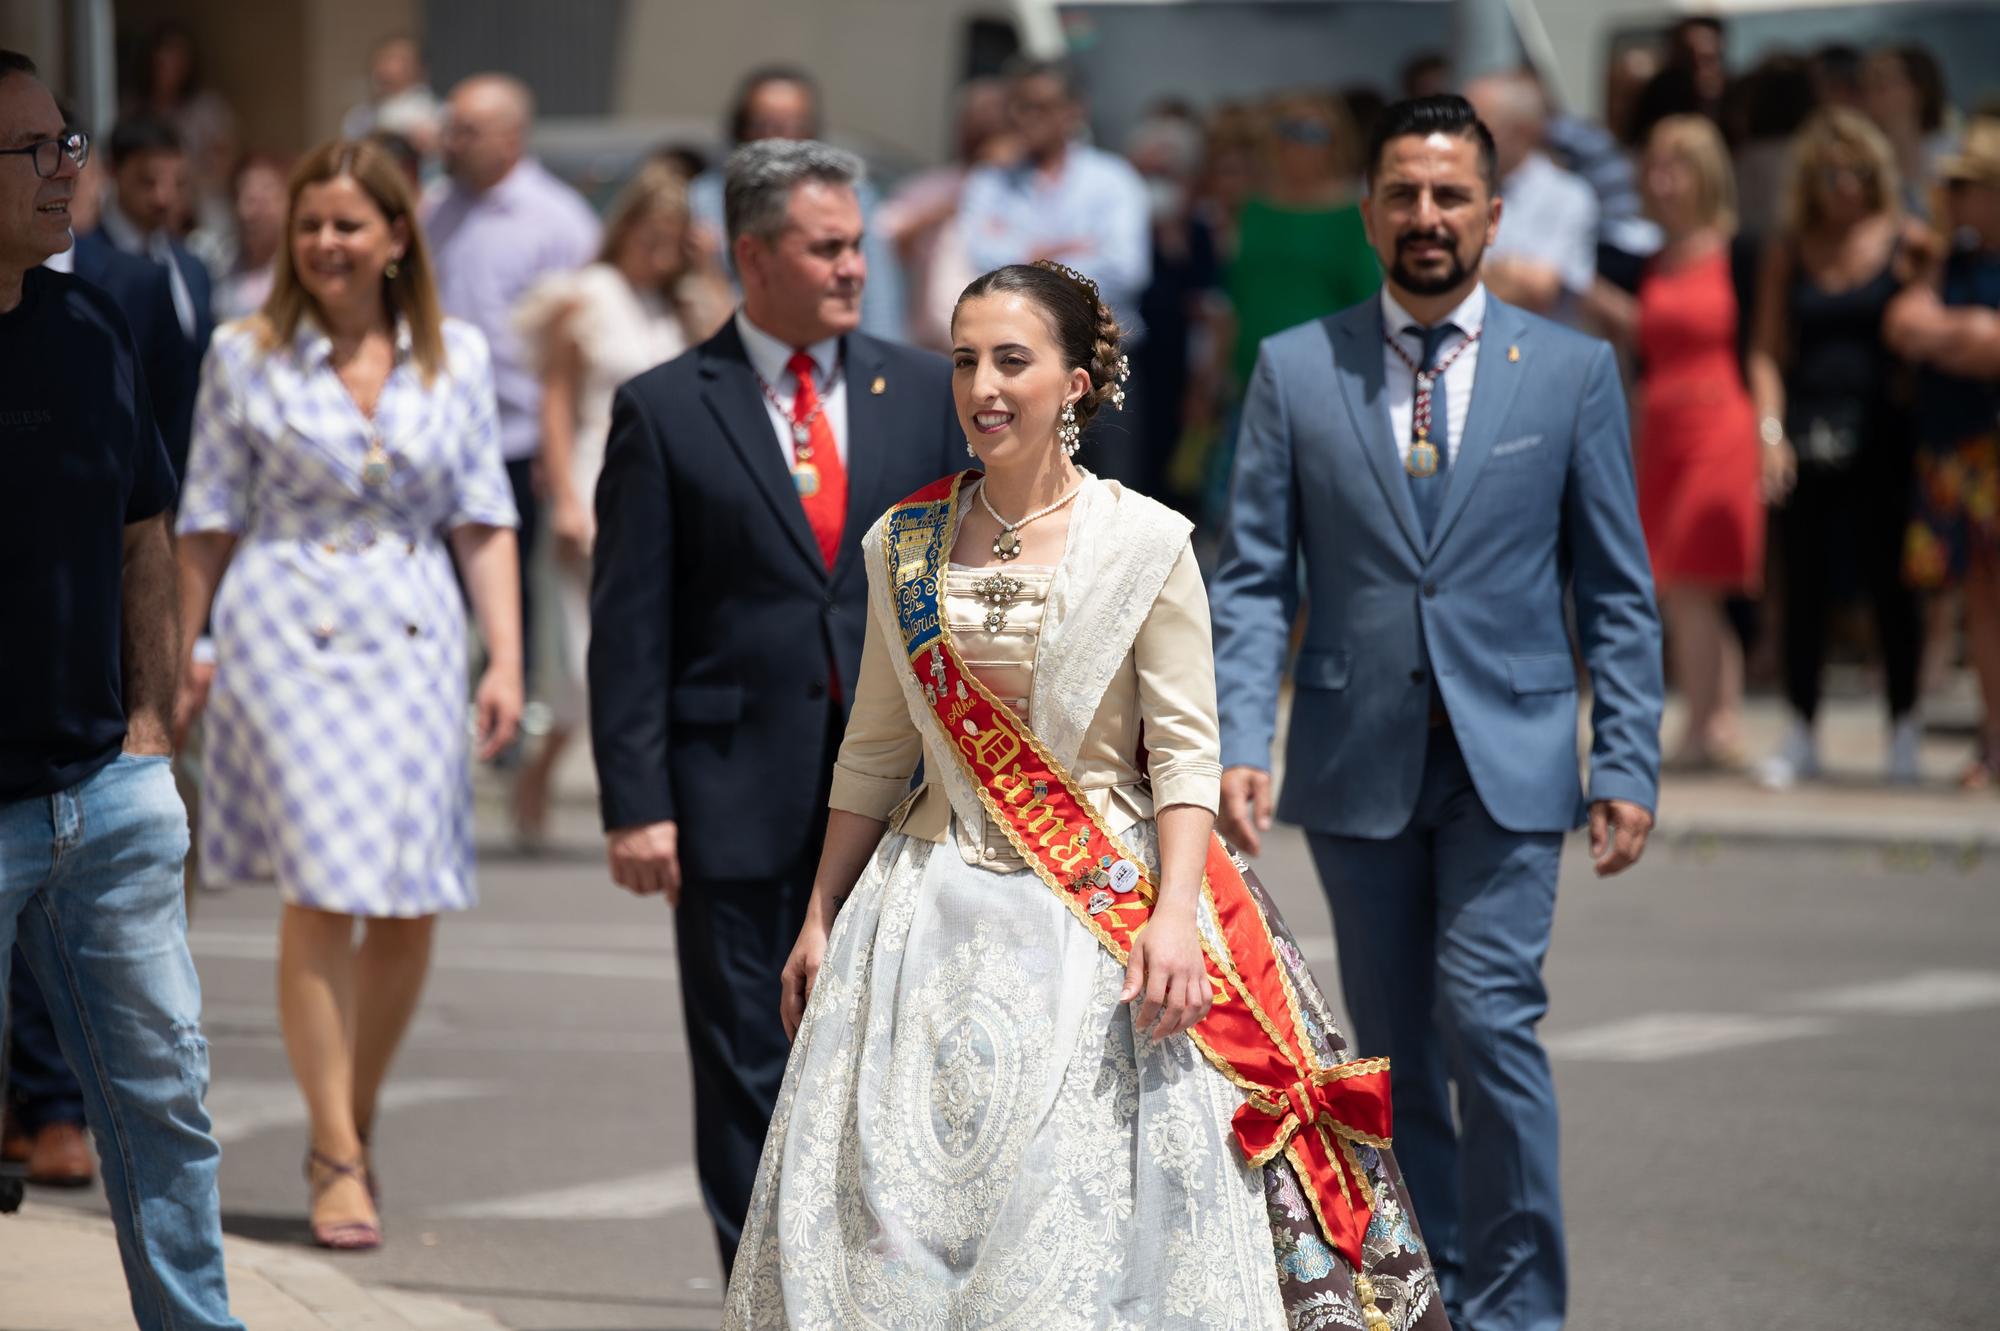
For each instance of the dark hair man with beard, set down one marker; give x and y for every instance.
(1462, 466)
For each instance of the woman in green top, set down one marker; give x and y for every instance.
(1301, 251)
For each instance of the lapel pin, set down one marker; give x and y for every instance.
(879, 387)
(1513, 354)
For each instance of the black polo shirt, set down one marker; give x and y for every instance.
(80, 459)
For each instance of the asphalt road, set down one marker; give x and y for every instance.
(1777, 1073)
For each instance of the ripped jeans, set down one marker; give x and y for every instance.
(90, 883)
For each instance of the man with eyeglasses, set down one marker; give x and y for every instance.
(92, 833)
(44, 1132)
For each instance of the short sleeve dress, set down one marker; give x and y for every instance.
(337, 755)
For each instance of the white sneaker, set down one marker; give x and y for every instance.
(1795, 761)
(1905, 737)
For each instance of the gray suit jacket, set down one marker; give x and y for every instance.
(1540, 499)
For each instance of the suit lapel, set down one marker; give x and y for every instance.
(729, 386)
(868, 441)
(1358, 366)
(1494, 383)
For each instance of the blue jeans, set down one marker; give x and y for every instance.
(90, 884)
(1441, 931)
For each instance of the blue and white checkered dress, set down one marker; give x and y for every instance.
(336, 753)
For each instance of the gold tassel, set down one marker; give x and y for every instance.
(1364, 1294)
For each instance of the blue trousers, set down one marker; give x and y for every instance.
(1442, 930)
(40, 1087)
(90, 884)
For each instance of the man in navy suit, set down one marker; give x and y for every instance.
(143, 292)
(148, 197)
(728, 603)
(1448, 466)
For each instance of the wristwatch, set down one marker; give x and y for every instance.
(1772, 431)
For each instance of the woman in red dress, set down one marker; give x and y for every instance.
(1699, 472)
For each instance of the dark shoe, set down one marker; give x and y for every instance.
(15, 1143)
(61, 1158)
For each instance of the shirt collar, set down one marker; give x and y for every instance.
(122, 231)
(1469, 316)
(312, 344)
(63, 261)
(771, 358)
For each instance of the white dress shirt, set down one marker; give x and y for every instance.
(770, 358)
(1399, 382)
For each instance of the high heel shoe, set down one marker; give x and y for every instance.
(341, 1235)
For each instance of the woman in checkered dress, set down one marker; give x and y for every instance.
(345, 451)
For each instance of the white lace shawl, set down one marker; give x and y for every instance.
(1120, 549)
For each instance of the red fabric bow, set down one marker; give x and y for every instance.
(1345, 1104)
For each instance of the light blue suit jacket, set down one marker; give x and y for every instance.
(1539, 498)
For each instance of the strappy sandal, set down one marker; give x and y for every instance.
(1979, 774)
(368, 1171)
(341, 1235)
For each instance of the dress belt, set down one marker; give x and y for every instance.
(351, 537)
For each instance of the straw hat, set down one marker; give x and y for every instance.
(1978, 155)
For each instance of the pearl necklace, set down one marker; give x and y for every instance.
(1007, 545)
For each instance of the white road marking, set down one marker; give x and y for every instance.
(645, 1197)
(1913, 995)
(1659, 1036)
(240, 1107)
(601, 962)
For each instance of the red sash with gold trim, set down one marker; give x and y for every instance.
(1295, 1105)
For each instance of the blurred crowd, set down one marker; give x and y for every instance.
(1779, 252)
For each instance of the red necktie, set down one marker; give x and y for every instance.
(826, 500)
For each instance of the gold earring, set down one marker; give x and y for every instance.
(391, 270)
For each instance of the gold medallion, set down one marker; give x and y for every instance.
(375, 464)
(1007, 545)
(805, 479)
(1423, 460)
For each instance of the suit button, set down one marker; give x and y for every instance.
(1430, 591)
(1418, 676)
(816, 689)
(411, 629)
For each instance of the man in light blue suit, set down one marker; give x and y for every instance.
(1448, 466)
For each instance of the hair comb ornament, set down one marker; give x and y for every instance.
(1123, 372)
(1088, 284)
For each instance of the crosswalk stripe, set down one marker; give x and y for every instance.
(604, 964)
(642, 1197)
(1923, 993)
(240, 1107)
(1659, 1036)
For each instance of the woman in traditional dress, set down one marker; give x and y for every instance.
(345, 452)
(1057, 1063)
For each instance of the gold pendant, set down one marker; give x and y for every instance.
(1007, 545)
(375, 464)
(805, 479)
(1423, 459)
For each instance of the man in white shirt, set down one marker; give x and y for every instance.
(1545, 258)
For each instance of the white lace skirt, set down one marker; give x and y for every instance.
(970, 1136)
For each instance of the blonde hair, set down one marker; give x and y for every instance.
(411, 295)
(1696, 141)
(1839, 136)
(657, 186)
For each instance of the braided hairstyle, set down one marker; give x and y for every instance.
(1086, 331)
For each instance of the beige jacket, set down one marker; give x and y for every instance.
(1128, 583)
